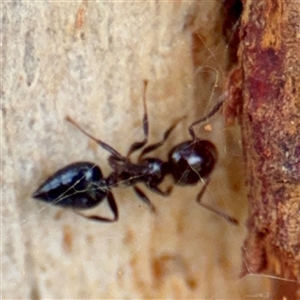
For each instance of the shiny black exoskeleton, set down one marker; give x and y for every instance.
(81, 185)
(191, 161)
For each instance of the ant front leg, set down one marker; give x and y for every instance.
(155, 146)
(208, 207)
(144, 198)
(207, 117)
(138, 145)
(113, 207)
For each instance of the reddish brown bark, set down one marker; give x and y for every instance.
(265, 97)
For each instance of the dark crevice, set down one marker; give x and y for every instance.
(232, 10)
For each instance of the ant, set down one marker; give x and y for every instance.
(81, 185)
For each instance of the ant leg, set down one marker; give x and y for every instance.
(144, 198)
(157, 190)
(208, 116)
(138, 145)
(219, 213)
(105, 146)
(113, 207)
(153, 147)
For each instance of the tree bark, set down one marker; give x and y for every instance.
(265, 97)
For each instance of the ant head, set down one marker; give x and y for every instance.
(192, 161)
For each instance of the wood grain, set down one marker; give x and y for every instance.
(88, 60)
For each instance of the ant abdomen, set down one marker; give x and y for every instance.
(192, 161)
(77, 185)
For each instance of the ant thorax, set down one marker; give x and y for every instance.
(150, 171)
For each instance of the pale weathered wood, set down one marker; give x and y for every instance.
(88, 60)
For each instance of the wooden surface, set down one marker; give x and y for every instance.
(88, 60)
(266, 84)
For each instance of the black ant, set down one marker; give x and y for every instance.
(81, 185)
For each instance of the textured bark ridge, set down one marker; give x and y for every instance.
(265, 97)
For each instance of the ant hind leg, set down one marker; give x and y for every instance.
(105, 146)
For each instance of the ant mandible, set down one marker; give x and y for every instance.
(81, 185)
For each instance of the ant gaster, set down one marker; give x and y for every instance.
(81, 185)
